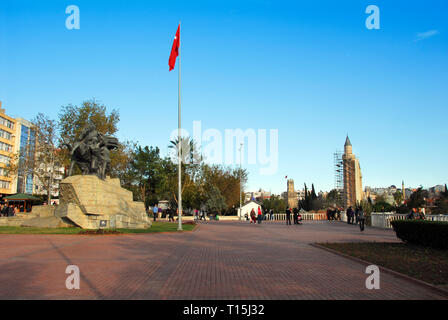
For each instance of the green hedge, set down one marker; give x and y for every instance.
(421, 232)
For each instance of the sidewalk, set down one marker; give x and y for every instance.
(220, 260)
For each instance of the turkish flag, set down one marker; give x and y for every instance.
(174, 49)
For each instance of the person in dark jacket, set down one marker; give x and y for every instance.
(11, 211)
(3, 210)
(169, 212)
(295, 215)
(288, 216)
(350, 214)
(361, 218)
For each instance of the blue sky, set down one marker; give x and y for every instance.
(311, 69)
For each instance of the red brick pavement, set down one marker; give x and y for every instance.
(220, 260)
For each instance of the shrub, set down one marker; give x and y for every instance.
(421, 232)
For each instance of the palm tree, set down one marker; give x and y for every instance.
(188, 150)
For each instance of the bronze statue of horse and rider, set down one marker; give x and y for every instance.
(91, 152)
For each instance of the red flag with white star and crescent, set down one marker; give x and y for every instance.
(174, 49)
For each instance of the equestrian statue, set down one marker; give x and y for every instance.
(91, 152)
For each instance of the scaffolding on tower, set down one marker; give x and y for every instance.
(339, 177)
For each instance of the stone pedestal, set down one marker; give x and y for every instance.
(92, 203)
(87, 202)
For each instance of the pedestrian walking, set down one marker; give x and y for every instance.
(195, 215)
(288, 216)
(271, 214)
(260, 215)
(170, 215)
(155, 212)
(356, 215)
(361, 219)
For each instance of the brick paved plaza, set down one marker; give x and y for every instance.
(219, 260)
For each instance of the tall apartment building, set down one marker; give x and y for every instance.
(7, 149)
(353, 193)
(26, 141)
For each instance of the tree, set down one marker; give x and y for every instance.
(40, 157)
(441, 203)
(398, 197)
(441, 206)
(305, 203)
(12, 167)
(226, 179)
(444, 193)
(275, 203)
(313, 192)
(311, 201)
(122, 159)
(189, 152)
(316, 202)
(417, 198)
(145, 174)
(380, 198)
(215, 201)
(334, 198)
(382, 206)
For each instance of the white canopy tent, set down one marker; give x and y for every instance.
(247, 208)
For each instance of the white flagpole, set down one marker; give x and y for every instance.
(179, 146)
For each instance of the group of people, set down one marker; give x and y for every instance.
(7, 210)
(297, 217)
(259, 216)
(417, 214)
(202, 215)
(356, 216)
(256, 217)
(157, 211)
(333, 214)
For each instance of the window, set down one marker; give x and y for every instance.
(7, 123)
(5, 147)
(4, 184)
(4, 159)
(5, 134)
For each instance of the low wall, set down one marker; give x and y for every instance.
(43, 211)
(383, 219)
(305, 216)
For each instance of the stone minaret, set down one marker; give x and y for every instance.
(353, 193)
(403, 190)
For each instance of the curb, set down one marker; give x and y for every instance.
(429, 286)
(96, 235)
